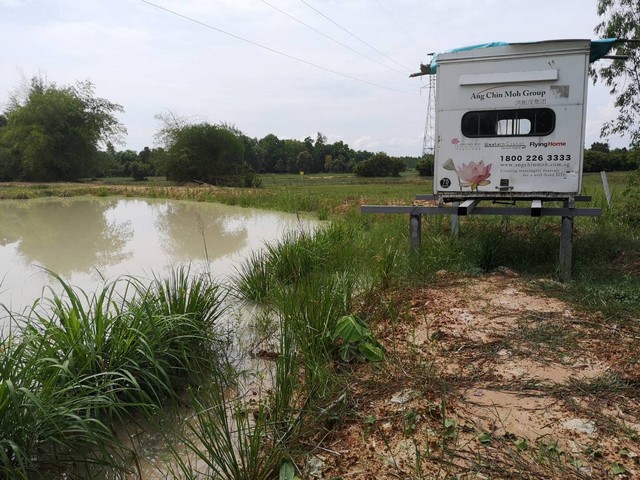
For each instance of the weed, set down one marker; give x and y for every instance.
(356, 340)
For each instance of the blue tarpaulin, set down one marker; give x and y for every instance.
(599, 48)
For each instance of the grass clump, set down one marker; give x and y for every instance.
(337, 248)
(81, 362)
(226, 438)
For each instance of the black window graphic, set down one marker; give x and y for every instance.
(529, 122)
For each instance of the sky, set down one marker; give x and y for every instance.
(288, 67)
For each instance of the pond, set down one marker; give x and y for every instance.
(88, 240)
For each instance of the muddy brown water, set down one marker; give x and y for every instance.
(88, 240)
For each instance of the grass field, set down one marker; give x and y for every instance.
(350, 318)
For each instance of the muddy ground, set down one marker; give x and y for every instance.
(487, 377)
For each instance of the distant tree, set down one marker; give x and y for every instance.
(124, 159)
(208, 153)
(339, 154)
(304, 161)
(339, 164)
(10, 166)
(158, 160)
(320, 151)
(140, 171)
(619, 159)
(271, 152)
(146, 168)
(308, 143)
(144, 155)
(425, 166)
(596, 161)
(410, 161)
(621, 19)
(53, 133)
(328, 164)
(600, 147)
(251, 155)
(295, 156)
(170, 124)
(358, 156)
(380, 165)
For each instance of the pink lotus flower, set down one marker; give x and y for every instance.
(474, 174)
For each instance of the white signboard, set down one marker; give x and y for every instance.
(510, 120)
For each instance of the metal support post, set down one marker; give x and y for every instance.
(566, 245)
(455, 222)
(415, 231)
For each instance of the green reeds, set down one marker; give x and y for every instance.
(81, 362)
(45, 426)
(184, 307)
(340, 247)
(226, 438)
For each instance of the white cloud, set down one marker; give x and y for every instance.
(12, 3)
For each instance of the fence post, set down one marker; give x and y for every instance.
(566, 245)
(455, 222)
(605, 184)
(415, 231)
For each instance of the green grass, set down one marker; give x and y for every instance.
(95, 358)
(81, 362)
(226, 438)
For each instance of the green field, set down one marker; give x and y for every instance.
(332, 304)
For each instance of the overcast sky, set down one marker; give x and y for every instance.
(353, 86)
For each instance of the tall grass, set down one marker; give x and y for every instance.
(336, 248)
(48, 427)
(81, 362)
(309, 311)
(184, 308)
(226, 438)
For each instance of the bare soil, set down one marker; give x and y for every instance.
(486, 377)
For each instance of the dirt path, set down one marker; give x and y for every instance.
(488, 378)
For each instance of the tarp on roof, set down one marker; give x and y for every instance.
(599, 48)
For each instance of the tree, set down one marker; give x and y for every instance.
(124, 159)
(600, 147)
(339, 157)
(621, 19)
(320, 151)
(425, 166)
(293, 161)
(53, 133)
(380, 165)
(270, 152)
(207, 153)
(139, 171)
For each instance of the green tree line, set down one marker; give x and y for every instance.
(65, 133)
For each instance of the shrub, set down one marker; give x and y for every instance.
(380, 165)
(425, 166)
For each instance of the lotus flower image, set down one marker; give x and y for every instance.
(471, 175)
(474, 174)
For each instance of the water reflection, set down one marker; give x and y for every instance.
(90, 240)
(64, 236)
(186, 231)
